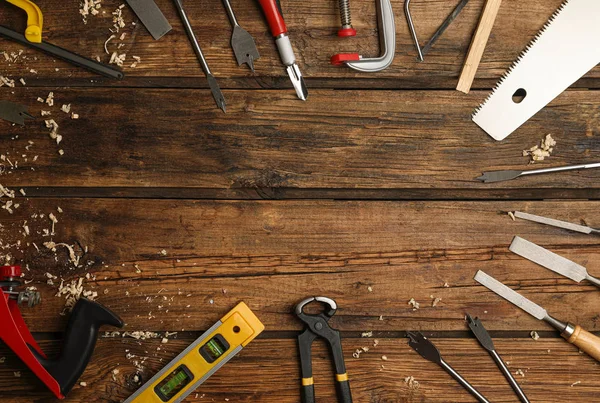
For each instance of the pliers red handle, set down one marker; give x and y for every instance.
(317, 326)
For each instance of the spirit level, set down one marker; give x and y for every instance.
(202, 358)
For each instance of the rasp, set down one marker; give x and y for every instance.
(551, 261)
(562, 52)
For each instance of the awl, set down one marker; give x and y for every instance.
(274, 16)
(551, 261)
(557, 223)
(574, 334)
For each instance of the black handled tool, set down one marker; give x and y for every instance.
(63, 54)
(427, 350)
(61, 373)
(486, 342)
(317, 326)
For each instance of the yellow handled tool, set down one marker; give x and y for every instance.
(35, 19)
(202, 358)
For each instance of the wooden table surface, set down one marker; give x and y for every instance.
(364, 193)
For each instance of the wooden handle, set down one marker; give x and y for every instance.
(587, 342)
(478, 44)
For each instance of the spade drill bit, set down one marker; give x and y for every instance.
(212, 82)
(486, 342)
(427, 350)
(242, 43)
(14, 113)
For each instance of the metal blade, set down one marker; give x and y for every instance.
(424, 347)
(480, 333)
(564, 50)
(499, 176)
(555, 223)
(297, 81)
(244, 47)
(151, 16)
(216, 92)
(547, 259)
(14, 113)
(512, 296)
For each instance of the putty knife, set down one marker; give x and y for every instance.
(551, 260)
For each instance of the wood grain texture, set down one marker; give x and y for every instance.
(340, 139)
(313, 28)
(225, 252)
(550, 367)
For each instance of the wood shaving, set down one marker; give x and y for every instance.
(66, 108)
(73, 291)
(89, 8)
(384, 357)
(520, 372)
(435, 301)
(45, 113)
(367, 334)
(118, 20)
(53, 126)
(22, 81)
(512, 216)
(110, 38)
(575, 383)
(83, 384)
(534, 335)
(136, 62)
(2, 359)
(4, 191)
(539, 153)
(415, 305)
(74, 116)
(411, 382)
(446, 285)
(17, 374)
(6, 81)
(50, 99)
(73, 258)
(163, 252)
(117, 59)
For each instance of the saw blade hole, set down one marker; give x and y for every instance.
(519, 95)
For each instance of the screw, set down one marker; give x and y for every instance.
(346, 19)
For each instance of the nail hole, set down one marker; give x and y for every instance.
(236, 329)
(519, 95)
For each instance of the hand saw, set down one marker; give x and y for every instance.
(562, 52)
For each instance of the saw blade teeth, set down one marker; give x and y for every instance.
(521, 56)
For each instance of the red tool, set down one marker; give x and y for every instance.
(274, 15)
(59, 374)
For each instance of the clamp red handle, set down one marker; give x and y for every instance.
(10, 272)
(342, 58)
(274, 15)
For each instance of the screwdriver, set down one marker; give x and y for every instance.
(212, 81)
(274, 15)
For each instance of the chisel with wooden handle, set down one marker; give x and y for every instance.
(574, 334)
(551, 261)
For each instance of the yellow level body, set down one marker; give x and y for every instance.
(202, 358)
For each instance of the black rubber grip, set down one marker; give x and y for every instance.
(343, 391)
(308, 393)
(79, 342)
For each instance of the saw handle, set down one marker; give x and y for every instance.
(585, 341)
(274, 16)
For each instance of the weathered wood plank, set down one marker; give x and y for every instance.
(312, 25)
(273, 254)
(368, 140)
(271, 373)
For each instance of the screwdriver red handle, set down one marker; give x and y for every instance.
(274, 16)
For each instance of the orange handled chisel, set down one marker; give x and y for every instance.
(274, 16)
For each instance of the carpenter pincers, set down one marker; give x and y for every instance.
(14, 113)
(318, 326)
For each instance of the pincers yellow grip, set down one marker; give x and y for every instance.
(35, 19)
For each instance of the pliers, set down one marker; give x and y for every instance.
(317, 326)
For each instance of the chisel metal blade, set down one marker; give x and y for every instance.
(556, 223)
(550, 260)
(151, 16)
(510, 295)
(298, 81)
